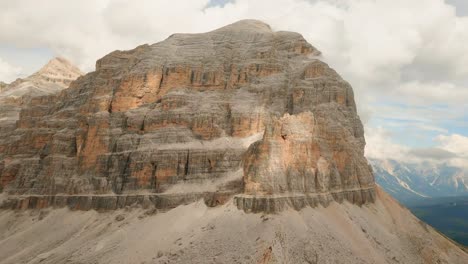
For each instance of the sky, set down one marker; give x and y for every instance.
(406, 60)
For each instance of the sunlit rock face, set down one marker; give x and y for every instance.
(239, 110)
(299, 162)
(296, 156)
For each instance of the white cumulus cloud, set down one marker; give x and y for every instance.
(449, 149)
(8, 72)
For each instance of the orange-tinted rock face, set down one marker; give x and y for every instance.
(96, 143)
(296, 156)
(137, 90)
(184, 112)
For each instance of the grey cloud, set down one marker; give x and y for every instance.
(432, 153)
(220, 3)
(461, 6)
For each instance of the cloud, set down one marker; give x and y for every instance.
(379, 145)
(454, 143)
(431, 92)
(436, 154)
(461, 6)
(8, 72)
(449, 149)
(457, 144)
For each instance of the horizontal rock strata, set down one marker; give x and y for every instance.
(278, 203)
(205, 111)
(114, 202)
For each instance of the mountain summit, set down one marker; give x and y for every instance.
(58, 70)
(56, 75)
(237, 145)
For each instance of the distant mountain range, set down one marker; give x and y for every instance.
(412, 182)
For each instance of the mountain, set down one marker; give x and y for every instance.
(2, 86)
(181, 114)
(55, 76)
(238, 145)
(412, 182)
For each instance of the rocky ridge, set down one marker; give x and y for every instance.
(239, 110)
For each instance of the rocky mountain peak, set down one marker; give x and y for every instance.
(247, 25)
(58, 70)
(56, 75)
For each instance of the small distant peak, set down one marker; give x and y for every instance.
(247, 25)
(60, 60)
(2, 85)
(59, 63)
(59, 67)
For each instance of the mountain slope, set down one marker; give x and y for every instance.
(382, 232)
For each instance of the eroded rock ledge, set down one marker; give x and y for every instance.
(278, 203)
(113, 202)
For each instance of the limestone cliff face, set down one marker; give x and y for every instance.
(55, 76)
(181, 116)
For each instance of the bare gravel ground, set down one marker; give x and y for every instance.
(383, 232)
